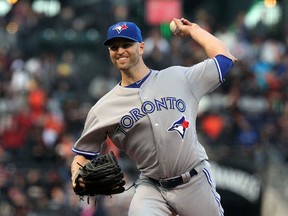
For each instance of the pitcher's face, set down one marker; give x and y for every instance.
(125, 53)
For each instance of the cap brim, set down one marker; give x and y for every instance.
(108, 41)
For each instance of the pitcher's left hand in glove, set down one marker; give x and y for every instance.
(101, 176)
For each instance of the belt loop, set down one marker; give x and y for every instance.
(186, 177)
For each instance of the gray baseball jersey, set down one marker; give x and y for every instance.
(155, 123)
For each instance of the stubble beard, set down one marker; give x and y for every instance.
(127, 64)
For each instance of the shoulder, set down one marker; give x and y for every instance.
(181, 69)
(207, 65)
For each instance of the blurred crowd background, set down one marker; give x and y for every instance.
(54, 67)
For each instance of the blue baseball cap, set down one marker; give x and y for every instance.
(127, 30)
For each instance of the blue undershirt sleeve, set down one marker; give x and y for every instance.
(224, 64)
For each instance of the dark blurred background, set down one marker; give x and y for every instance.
(54, 67)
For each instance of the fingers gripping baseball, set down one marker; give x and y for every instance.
(180, 27)
(173, 26)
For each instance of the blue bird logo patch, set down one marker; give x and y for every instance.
(120, 28)
(180, 126)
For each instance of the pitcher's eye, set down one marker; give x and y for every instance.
(113, 48)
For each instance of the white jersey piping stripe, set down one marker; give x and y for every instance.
(85, 152)
(218, 69)
(207, 174)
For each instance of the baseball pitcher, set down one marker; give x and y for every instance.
(151, 116)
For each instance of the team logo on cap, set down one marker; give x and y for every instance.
(180, 126)
(120, 28)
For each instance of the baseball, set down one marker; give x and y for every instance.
(173, 26)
